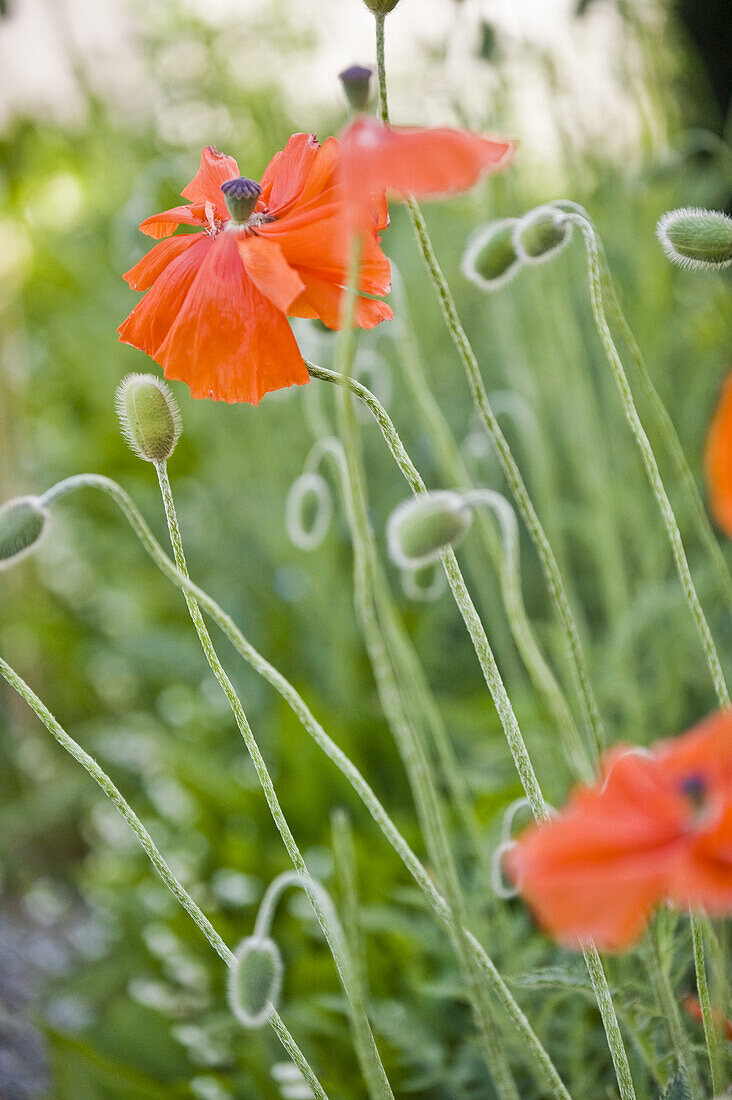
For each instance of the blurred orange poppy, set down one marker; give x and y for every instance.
(214, 315)
(694, 1008)
(402, 161)
(719, 460)
(658, 827)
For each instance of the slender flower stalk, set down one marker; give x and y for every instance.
(151, 851)
(455, 473)
(503, 705)
(668, 1003)
(377, 1079)
(664, 424)
(537, 1057)
(379, 636)
(464, 348)
(715, 1055)
(649, 459)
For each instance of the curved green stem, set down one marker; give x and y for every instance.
(503, 706)
(178, 891)
(376, 1075)
(649, 460)
(541, 1060)
(710, 1030)
(664, 424)
(383, 645)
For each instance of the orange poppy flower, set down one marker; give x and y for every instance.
(214, 315)
(719, 460)
(404, 161)
(658, 827)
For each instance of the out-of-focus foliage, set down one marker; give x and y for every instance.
(116, 982)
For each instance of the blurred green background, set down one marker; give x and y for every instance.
(106, 988)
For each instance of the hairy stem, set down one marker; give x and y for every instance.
(151, 851)
(539, 1059)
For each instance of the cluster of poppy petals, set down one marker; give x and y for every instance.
(215, 312)
(656, 828)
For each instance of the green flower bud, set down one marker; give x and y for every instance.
(695, 238)
(420, 528)
(255, 979)
(148, 416)
(22, 522)
(356, 81)
(491, 260)
(541, 233)
(381, 7)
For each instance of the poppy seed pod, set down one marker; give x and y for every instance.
(22, 522)
(696, 238)
(241, 196)
(255, 978)
(148, 416)
(356, 81)
(491, 259)
(420, 528)
(541, 233)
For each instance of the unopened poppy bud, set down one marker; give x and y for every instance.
(695, 238)
(255, 978)
(21, 525)
(148, 416)
(381, 7)
(541, 234)
(241, 196)
(420, 528)
(356, 81)
(491, 260)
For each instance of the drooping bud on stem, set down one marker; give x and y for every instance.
(541, 233)
(695, 238)
(255, 979)
(241, 196)
(148, 416)
(356, 81)
(420, 528)
(491, 260)
(22, 522)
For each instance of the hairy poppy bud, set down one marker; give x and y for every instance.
(381, 7)
(148, 416)
(255, 979)
(420, 528)
(356, 81)
(695, 238)
(541, 233)
(21, 525)
(308, 511)
(241, 196)
(491, 260)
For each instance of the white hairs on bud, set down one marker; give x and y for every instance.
(474, 249)
(252, 945)
(124, 421)
(559, 220)
(691, 263)
(29, 548)
(308, 484)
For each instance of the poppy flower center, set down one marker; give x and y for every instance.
(241, 196)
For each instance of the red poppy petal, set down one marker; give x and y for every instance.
(228, 341)
(703, 879)
(596, 870)
(163, 224)
(719, 460)
(151, 319)
(269, 271)
(285, 175)
(205, 186)
(154, 262)
(419, 162)
(324, 299)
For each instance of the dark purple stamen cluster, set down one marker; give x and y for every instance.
(695, 790)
